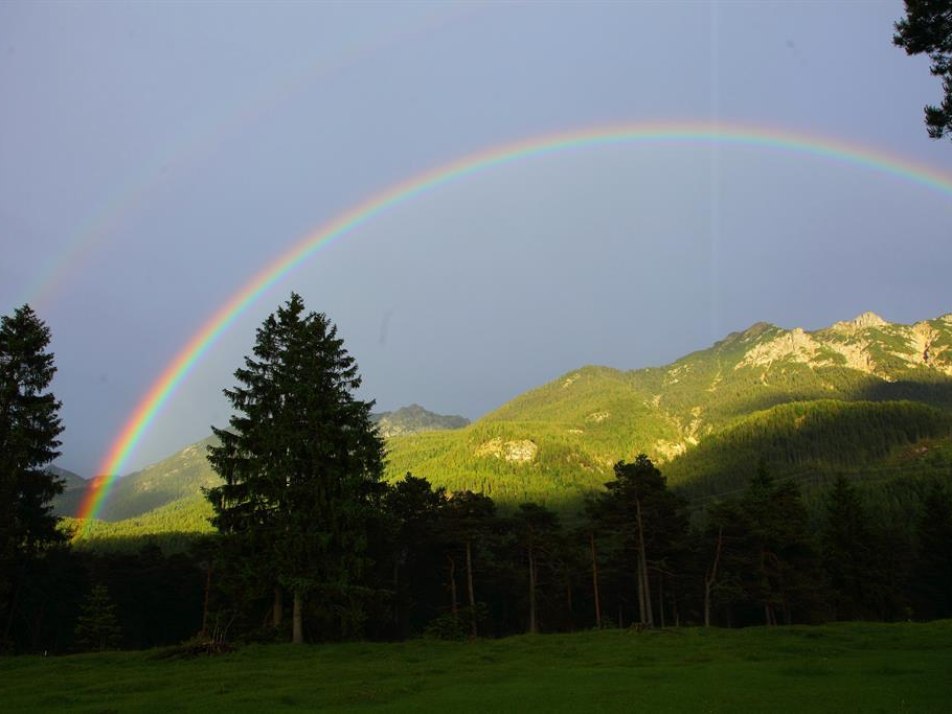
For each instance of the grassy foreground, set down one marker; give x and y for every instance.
(833, 668)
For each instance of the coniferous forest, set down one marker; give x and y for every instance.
(313, 544)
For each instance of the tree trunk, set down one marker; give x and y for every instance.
(208, 589)
(644, 590)
(397, 599)
(298, 625)
(769, 617)
(598, 604)
(277, 608)
(533, 626)
(453, 598)
(568, 602)
(711, 577)
(469, 586)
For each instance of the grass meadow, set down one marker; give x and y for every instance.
(849, 667)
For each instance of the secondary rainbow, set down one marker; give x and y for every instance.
(771, 139)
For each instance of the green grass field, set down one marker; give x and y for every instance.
(833, 668)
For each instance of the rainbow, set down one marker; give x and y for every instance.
(414, 187)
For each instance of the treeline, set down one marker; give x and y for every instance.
(313, 543)
(452, 565)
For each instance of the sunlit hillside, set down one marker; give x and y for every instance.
(864, 398)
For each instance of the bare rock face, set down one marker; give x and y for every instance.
(522, 451)
(860, 322)
(856, 344)
(667, 450)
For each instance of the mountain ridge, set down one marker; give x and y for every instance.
(558, 441)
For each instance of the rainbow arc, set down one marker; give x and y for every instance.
(198, 345)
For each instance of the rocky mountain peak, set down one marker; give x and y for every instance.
(861, 322)
(414, 419)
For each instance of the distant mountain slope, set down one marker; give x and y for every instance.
(858, 394)
(413, 420)
(568, 432)
(74, 486)
(181, 476)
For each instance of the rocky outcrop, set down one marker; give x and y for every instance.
(864, 343)
(520, 451)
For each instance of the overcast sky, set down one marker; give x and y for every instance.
(155, 156)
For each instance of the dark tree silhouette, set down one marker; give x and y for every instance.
(927, 29)
(98, 625)
(29, 427)
(301, 464)
(648, 518)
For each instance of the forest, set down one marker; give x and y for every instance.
(312, 544)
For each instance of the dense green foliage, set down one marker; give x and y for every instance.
(830, 668)
(29, 427)
(300, 464)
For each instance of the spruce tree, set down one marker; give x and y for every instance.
(415, 511)
(857, 558)
(301, 463)
(784, 578)
(29, 427)
(98, 625)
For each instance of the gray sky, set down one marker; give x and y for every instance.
(155, 156)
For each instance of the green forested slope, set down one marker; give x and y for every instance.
(856, 397)
(181, 476)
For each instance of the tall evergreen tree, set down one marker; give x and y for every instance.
(784, 578)
(29, 427)
(649, 520)
(536, 531)
(415, 508)
(856, 559)
(469, 523)
(301, 463)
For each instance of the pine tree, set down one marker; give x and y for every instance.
(415, 511)
(301, 463)
(29, 427)
(649, 520)
(856, 558)
(98, 625)
(469, 522)
(784, 575)
(536, 530)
